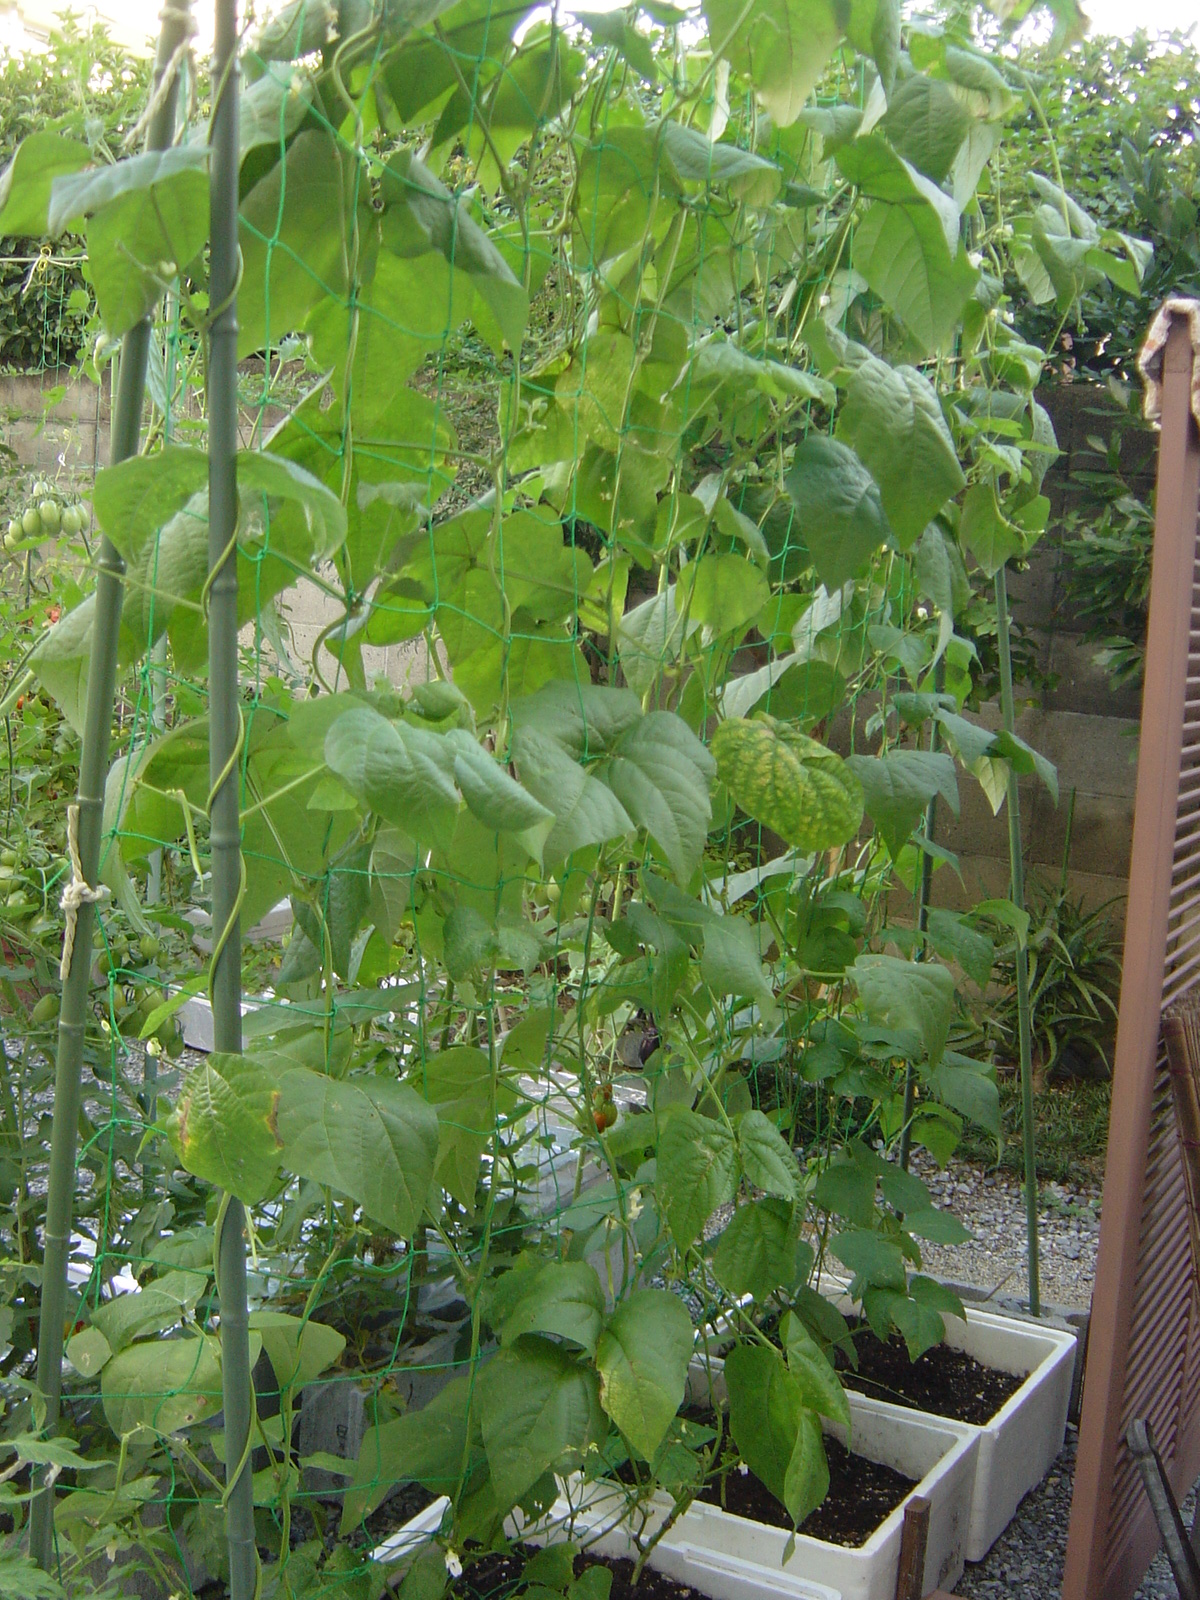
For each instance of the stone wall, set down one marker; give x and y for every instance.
(55, 425)
(1088, 729)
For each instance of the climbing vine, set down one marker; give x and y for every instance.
(649, 383)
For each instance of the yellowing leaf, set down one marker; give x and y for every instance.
(788, 782)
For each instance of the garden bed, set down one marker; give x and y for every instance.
(947, 1381)
(1024, 1366)
(862, 1494)
(933, 1457)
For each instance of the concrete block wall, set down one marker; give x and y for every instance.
(1095, 755)
(56, 426)
(307, 611)
(1081, 723)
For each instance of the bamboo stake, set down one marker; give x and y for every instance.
(1016, 862)
(93, 773)
(225, 743)
(924, 888)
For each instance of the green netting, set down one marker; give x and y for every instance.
(618, 420)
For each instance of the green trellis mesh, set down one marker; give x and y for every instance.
(546, 346)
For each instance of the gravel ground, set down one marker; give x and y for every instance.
(993, 1207)
(1026, 1562)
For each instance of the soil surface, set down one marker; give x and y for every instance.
(944, 1381)
(862, 1493)
(497, 1575)
(401, 1506)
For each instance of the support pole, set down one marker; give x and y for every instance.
(924, 889)
(225, 742)
(93, 774)
(1016, 862)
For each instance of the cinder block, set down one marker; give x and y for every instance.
(1101, 833)
(1093, 754)
(1084, 685)
(1031, 593)
(332, 1421)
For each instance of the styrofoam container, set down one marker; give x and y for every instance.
(407, 1541)
(939, 1455)
(709, 1572)
(1022, 1441)
(1019, 1445)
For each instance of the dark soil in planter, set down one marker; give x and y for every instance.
(862, 1493)
(944, 1381)
(401, 1506)
(495, 1576)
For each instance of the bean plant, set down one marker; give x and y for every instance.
(648, 382)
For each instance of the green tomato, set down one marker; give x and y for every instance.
(50, 515)
(41, 489)
(71, 520)
(45, 1011)
(150, 947)
(31, 523)
(168, 1031)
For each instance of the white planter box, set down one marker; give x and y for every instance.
(709, 1572)
(406, 1541)
(1019, 1445)
(939, 1455)
(1022, 1441)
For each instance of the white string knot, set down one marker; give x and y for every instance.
(78, 892)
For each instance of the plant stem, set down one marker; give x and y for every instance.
(1016, 863)
(93, 773)
(225, 741)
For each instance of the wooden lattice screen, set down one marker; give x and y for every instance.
(1144, 1349)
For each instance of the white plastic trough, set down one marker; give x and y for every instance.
(938, 1455)
(408, 1540)
(1019, 1445)
(710, 1572)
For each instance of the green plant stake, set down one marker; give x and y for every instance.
(1016, 863)
(85, 821)
(924, 888)
(225, 744)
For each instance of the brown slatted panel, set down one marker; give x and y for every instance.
(1144, 1351)
(1189, 1403)
(1158, 1337)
